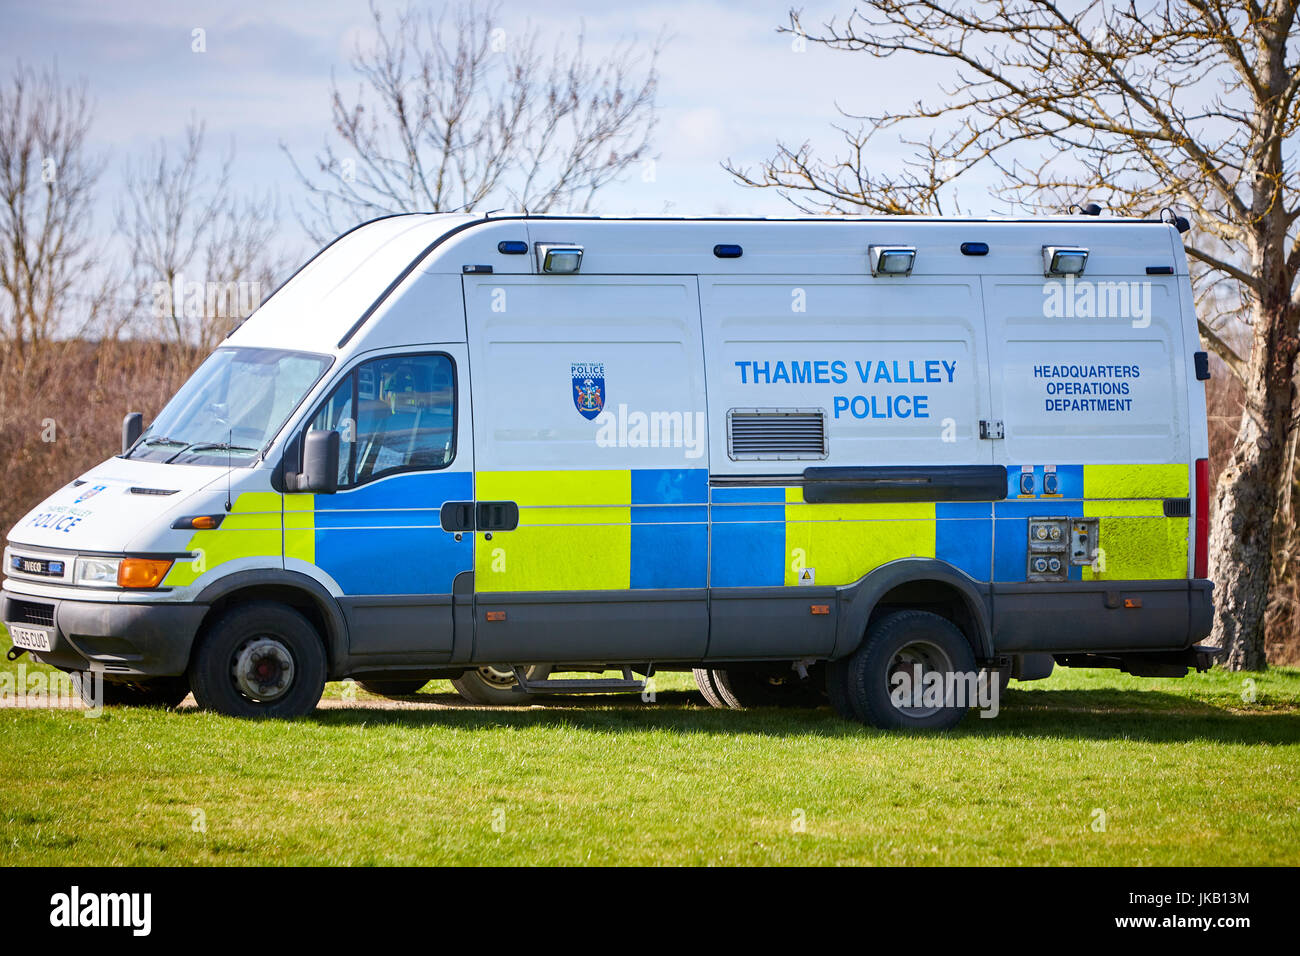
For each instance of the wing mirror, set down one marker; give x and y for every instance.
(320, 463)
(132, 429)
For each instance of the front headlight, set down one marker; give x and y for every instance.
(96, 572)
(121, 572)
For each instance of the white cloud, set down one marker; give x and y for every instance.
(731, 86)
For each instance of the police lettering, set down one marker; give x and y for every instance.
(883, 406)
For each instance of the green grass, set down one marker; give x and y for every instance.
(1186, 772)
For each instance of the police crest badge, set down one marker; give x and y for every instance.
(588, 388)
(89, 493)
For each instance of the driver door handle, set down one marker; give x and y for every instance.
(457, 516)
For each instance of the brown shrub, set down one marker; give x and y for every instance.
(61, 410)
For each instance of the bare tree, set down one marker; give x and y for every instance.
(453, 112)
(47, 181)
(1142, 105)
(201, 257)
(243, 265)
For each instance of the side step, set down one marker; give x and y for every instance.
(585, 685)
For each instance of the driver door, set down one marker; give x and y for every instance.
(405, 449)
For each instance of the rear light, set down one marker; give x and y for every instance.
(1201, 537)
(142, 572)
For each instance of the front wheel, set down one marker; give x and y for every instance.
(914, 671)
(259, 660)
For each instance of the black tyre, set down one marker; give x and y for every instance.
(837, 689)
(495, 686)
(393, 688)
(259, 660)
(910, 643)
(765, 685)
(154, 692)
(704, 681)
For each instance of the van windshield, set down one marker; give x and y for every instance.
(231, 407)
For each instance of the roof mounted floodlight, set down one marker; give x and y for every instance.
(558, 258)
(891, 260)
(1064, 261)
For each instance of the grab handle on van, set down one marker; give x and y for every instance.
(1202, 362)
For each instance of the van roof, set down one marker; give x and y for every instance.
(372, 267)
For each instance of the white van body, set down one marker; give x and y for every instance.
(718, 441)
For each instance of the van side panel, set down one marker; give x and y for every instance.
(897, 366)
(1073, 389)
(897, 369)
(598, 530)
(590, 417)
(249, 536)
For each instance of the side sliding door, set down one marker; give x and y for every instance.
(591, 487)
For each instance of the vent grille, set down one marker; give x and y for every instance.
(1178, 507)
(29, 612)
(755, 434)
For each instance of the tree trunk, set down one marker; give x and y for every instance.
(1246, 499)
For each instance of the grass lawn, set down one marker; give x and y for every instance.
(1185, 772)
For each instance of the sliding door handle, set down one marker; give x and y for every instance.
(498, 516)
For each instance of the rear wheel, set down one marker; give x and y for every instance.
(494, 685)
(259, 660)
(393, 688)
(764, 685)
(837, 689)
(709, 690)
(900, 677)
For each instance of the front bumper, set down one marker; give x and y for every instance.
(131, 640)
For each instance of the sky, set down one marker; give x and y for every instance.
(731, 86)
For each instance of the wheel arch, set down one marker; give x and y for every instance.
(922, 583)
(296, 590)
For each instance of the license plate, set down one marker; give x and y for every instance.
(29, 638)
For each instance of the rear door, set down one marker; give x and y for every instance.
(1090, 383)
(590, 433)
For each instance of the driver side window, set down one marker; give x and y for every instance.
(393, 414)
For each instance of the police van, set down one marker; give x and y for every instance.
(800, 458)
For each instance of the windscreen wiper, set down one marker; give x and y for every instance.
(217, 446)
(156, 440)
(209, 446)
